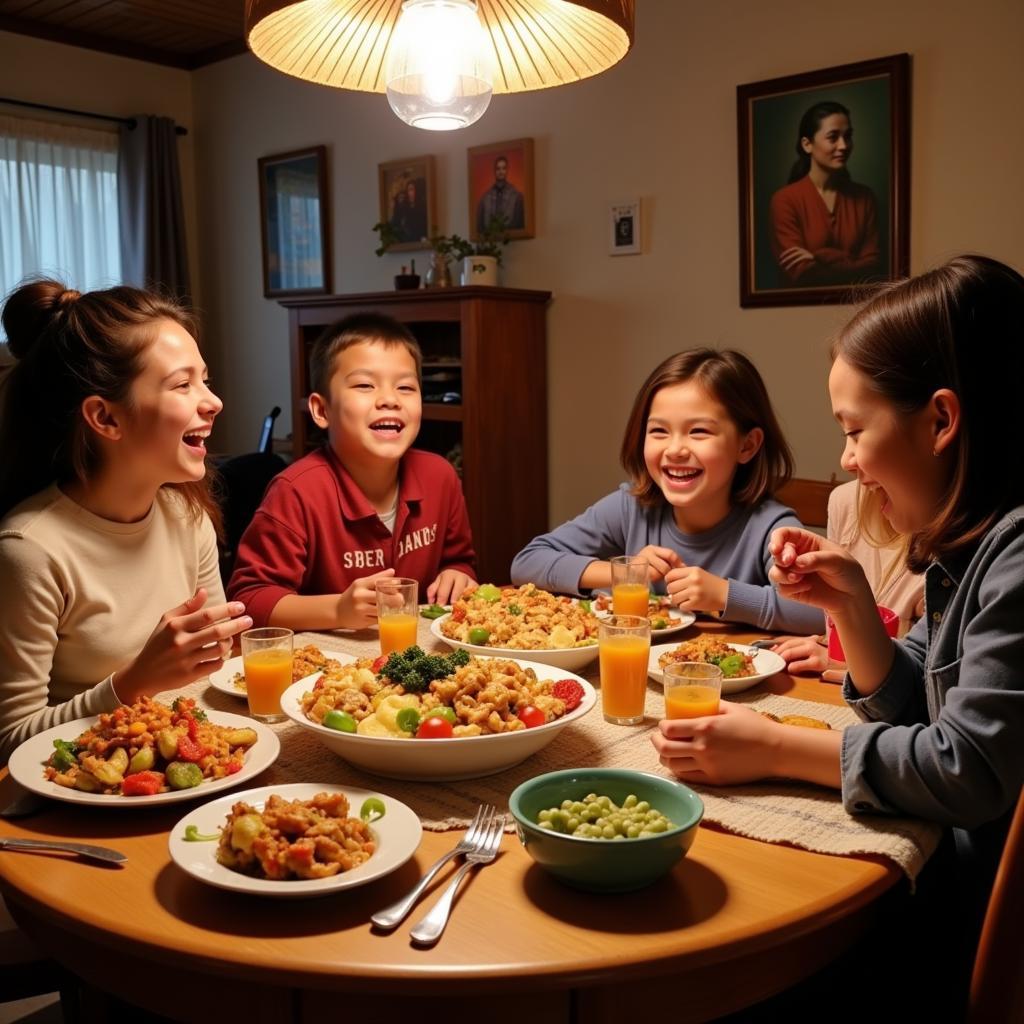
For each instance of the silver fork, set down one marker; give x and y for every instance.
(391, 917)
(429, 930)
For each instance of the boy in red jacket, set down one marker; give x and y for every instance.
(362, 508)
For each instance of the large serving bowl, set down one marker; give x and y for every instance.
(568, 659)
(602, 865)
(466, 757)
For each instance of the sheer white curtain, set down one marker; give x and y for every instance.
(58, 204)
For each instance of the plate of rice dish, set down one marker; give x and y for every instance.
(742, 666)
(521, 622)
(297, 840)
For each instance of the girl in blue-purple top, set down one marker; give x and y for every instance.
(703, 452)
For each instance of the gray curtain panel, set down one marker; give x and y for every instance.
(153, 252)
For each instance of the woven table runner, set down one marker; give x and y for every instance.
(803, 815)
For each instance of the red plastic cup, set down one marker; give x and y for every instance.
(889, 618)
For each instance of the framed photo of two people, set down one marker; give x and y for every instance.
(824, 183)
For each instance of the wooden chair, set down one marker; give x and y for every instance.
(997, 985)
(808, 499)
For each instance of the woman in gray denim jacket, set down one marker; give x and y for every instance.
(935, 440)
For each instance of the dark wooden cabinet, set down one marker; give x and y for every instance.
(489, 347)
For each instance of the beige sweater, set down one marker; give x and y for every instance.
(892, 583)
(79, 598)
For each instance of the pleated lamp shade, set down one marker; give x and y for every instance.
(536, 44)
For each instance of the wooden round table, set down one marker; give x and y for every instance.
(735, 921)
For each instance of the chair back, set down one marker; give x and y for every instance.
(808, 499)
(243, 481)
(997, 985)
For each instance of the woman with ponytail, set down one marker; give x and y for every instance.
(108, 549)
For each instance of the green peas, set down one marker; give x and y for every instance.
(408, 720)
(597, 817)
(341, 721)
(479, 635)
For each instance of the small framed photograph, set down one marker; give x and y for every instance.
(824, 183)
(407, 201)
(294, 223)
(624, 228)
(501, 188)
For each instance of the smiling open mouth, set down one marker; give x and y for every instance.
(388, 426)
(681, 474)
(197, 440)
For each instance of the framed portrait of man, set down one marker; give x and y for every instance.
(501, 189)
(824, 170)
(407, 201)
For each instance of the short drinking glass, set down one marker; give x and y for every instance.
(630, 589)
(692, 689)
(397, 613)
(267, 661)
(624, 645)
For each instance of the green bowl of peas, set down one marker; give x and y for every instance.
(605, 829)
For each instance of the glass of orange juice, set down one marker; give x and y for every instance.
(267, 662)
(397, 613)
(624, 645)
(693, 689)
(630, 590)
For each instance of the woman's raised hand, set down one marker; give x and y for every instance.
(815, 571)
(189, 642)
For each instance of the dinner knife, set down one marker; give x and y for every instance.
(82, 849)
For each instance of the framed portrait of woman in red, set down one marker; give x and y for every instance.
(824, 170)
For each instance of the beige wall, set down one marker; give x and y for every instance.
(662, 126)
(67, 76)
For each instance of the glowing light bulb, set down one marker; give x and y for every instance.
(439, 73)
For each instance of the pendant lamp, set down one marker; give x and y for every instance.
(439, 61)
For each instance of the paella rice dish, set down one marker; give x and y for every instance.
(519, 619)
(148, 748)
(295, 839)
(710, 650)
(474, 696)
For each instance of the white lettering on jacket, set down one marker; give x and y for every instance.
(417, 539)
(373, 559)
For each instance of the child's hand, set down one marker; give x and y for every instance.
(736, 745)
(697, 590)
(815, 571)
(189, 642)
(448, 586)
(803, 654)
(357, 607)
(659, 561)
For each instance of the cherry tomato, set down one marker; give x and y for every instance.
(379, 663)
(434, 728)
(531, 716)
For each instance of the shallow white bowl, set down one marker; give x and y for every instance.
(466, 757)
(767, 664)
(569, 659)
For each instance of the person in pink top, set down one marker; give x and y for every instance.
(825, 225)
(365, 506)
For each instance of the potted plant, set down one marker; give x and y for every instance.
(438, 273)
(388, 236)
(481, 258)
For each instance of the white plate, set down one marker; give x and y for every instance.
(464, 757)
(222, 678)
(27, 762)
(397, 833)
(767, 664)
(568, 659)
(685, 619)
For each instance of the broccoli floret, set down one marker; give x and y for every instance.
(433, 666)
(413, 654)
(459, 658)
(413, 682)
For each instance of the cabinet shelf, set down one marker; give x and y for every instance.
(496, 339)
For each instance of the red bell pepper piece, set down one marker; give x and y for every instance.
(142, 784)
(190, 749)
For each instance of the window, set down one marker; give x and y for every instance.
(58, 204)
